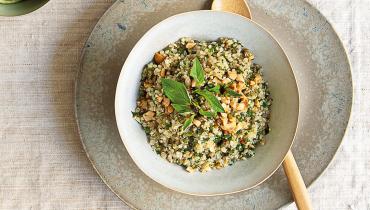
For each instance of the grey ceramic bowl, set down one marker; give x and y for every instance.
(21, 8)
(210, 25)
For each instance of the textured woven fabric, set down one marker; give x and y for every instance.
(42, 163)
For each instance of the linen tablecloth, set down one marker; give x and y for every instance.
(42, 163)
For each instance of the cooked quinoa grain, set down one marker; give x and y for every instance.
(203, 105)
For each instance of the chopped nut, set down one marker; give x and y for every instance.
(242, 125)
(169, 109)
(234, 103)
(187, 154)
(166, 102)
(229, 124)
(190, 45)
(219, 74)
(163, 155)
(158, 58)
(163, 73)
(218, 165)
(224, 120)
(225, 100)
(226, 80)
(178, 155)
(258, 79)
(233, 86)
(148, 116)
(190, 169)
(252, 83)
(211, 145)
(159, 99)
(198, 148)
(232, 74)
(240, 86)
(257, 103)
(205, 167)
(231, 118)
(240, 78)
(241, 107)
(196, 122)
(255, 109)
(193, 83)
(207, 69)
(245, 100)
(147, 84)
(227, 109)
(143, 104)
(216, 80)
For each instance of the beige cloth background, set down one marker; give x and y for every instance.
(42, 163)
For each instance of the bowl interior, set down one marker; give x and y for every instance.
(21, 8)
(210, 25)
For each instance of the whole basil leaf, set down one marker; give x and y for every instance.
(197, 72)
(206, 113)
(211, 99)
(188, 122)
(175, 91)
(180, 108)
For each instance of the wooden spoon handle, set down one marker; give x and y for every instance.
(296, 183)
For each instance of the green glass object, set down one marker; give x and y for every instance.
(19, 7)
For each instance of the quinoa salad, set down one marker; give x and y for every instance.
(204, 104)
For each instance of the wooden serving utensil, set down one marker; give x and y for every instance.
(235, 6)
(297, 185)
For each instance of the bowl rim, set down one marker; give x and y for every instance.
(116, 103)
